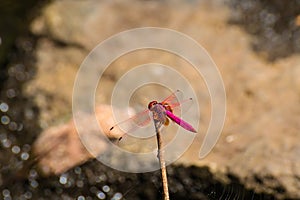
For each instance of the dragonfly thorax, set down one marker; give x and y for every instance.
(167, 107)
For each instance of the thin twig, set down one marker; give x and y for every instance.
(160, 156)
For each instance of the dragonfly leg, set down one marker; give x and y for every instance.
(167, 122)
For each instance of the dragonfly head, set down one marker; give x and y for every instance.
(152, 103)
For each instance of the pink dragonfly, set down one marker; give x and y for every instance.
(162, 114)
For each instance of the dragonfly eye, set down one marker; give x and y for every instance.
(152, 103)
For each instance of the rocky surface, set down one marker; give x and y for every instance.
(259, 145)
(274, 24)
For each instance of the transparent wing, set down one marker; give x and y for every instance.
(130, 125)
(175, 100)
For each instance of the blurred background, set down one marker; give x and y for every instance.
(256, 46)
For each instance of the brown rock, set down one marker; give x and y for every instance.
(62, 144)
